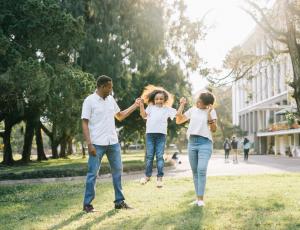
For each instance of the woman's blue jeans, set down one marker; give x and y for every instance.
(199, 150)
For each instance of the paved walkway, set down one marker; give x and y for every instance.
(258, 164)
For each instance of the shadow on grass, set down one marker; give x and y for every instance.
(98, 220)
(68, 221)
(42, 201)
(185, 216)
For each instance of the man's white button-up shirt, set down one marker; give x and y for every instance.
(101, 115)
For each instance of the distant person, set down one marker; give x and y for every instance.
(227, 148)
(234, 146)
(175, 158)
(246, 147)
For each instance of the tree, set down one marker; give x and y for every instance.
(285, 31)
(135, 43)
(67, 90)
(28, 52)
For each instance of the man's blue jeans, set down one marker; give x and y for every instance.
(200, 150)
(113, 154)
(155, 144)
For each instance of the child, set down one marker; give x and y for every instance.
(157, 114)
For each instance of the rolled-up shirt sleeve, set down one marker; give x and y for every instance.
(213, 115)
(172, 113)
(116, 107)
(188, 113)
(86, 110)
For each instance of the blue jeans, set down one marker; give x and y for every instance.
(155, 144)
(113, 154)
(200, 150)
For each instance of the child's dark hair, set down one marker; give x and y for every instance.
(151, 96)
(207, 98)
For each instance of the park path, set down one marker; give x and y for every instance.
(257, 164)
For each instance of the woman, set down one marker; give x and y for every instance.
(202, 122)
(246, 147)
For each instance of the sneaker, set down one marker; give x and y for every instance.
(88, 208)
(159, 183)
(122, 205)
(194, 203)
(200, 203)
(144, 180)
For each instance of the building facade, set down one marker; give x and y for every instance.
(261, 100)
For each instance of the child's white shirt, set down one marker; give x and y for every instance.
(157, 118)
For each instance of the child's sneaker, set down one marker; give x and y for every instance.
(159, 183)
(144, 180)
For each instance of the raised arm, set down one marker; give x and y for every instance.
(212, 122)
(142, 110)
(180, 118)
(125, 113)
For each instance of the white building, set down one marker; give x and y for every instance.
(260, 101)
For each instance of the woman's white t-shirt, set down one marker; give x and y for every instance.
(157, 118)
(199, 122)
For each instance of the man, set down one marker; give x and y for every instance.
(99, 111)
(234, 146)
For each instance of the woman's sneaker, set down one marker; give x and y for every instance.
(159, 183)
(194, 203)
(200, 203)
(144, 180)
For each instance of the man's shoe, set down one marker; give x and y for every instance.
(122, 205)
(88, 208)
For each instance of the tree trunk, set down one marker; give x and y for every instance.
(39, 143)
(124, 147)
(28, 137)
(294, 51)
(222, 128)
(63, 145)
(70, 146)
(7, 157)
(54, 143)
(54, 146)
(83, 150)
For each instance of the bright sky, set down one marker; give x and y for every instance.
(230, 24)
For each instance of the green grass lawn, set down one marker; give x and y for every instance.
(246, 202)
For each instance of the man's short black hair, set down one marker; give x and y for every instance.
(103, 80)
(207, 98)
